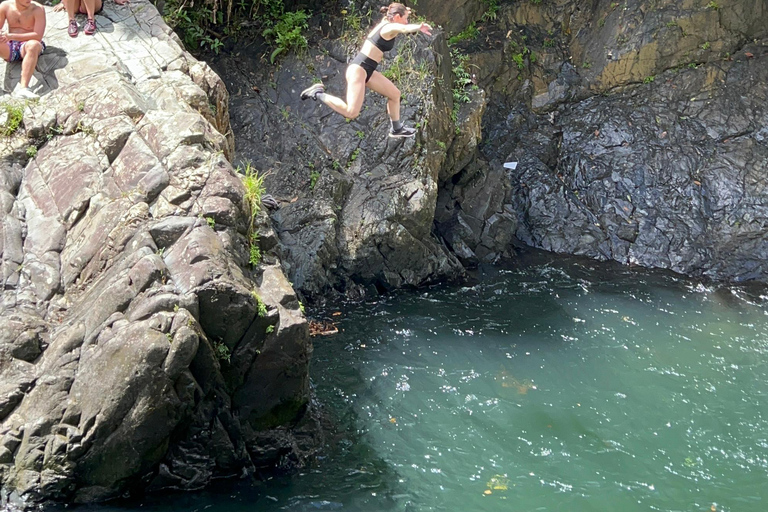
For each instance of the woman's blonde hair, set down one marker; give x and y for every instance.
(394, 8)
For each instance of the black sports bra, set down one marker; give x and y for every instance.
(379, 42)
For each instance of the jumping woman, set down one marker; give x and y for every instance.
(362, 73)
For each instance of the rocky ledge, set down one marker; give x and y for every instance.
(138, 346)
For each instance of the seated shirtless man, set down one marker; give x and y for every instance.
(22, 40)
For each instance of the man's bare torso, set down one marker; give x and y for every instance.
(20, 20)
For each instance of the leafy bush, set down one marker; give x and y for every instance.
(207, 24)
(471, 32)
(254, 189)
(285, 33)
(14, 115)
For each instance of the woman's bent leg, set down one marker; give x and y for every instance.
(382, 85)
(355, 94)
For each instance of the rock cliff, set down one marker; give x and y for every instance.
(638, 129)
(138, 347)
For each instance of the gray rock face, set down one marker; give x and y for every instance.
(661, 167)
(639, 136)
(358, 208)
(136, 344)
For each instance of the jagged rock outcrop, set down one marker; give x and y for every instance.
(357, 207)
(638, 130)
(137, 345)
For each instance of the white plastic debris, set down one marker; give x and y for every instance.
(510, 165)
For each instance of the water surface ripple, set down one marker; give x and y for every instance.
(550, 387)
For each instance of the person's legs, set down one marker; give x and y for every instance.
(5, 51)
(30, 51)
(382, 85)
(97, 6)
(91, 8)
(355, 94)
(72, 7)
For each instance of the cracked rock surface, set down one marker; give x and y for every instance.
(137, 345)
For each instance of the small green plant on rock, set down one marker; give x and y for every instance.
(211, 222)
(261, 307)
(469, 33)
(221, 351)
(353, 156)
(286, 33)
(313, 177)
(713, 5)
(706, 45)
(649, 79)
(31, 151)
(493, 8)
(254, 251)
(14, 113)
(270, 329)
(254, 189)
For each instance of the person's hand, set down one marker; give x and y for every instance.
(58, 7)
(425, 29)
(122, 2)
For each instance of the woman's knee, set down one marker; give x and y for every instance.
(395, 95)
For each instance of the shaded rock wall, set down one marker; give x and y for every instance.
(137, 345)
(637, 127)
(639, 132)
(357, 207)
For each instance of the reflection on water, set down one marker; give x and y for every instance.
(554, 386)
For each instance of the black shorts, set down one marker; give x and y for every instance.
(367, 63)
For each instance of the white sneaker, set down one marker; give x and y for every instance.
(25, 93)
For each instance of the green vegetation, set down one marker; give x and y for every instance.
(706, 45)
(313, 177)
(713, 5)
(462, 78)
(207, 24)
(14, 115)
(468, 33)
(254, 189)
(221, 351)
(493, 8)
(353, 23)
(353, 156)
(261, 308)
(301, 308)
(285, 33)
(649, 79)
(671, 24)
(270, 329)
(254, 251)
(211, 222)
(31, 151)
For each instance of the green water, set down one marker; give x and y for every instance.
(552, 387)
